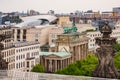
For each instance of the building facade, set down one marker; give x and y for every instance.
(93, 35)
(32, 34)
(22, 56)
(106, 14)
(19, 55)
(63, 21)
(53, 61)
(75, 43)
(26, 55)
(8, 51)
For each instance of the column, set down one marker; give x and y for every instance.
(46, 65)
(86, 49)
(63, 63)
(78, 52)
(55, 65)
(67, 61)
(21, 34)
(15, 35)
(60, 64)
(50, 65)
(82, 51)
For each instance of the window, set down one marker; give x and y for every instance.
(28, 55)
(17, 65)
(21, 57)
(36, 39)
(16, 57)
(23, 64)
(53, 35)
(32, 63)
(36, 35)
(53, 40)
(27, 64)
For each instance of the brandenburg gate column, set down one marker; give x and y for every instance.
(46, 65)
(82, 51)
(86, 45)
(78, 47)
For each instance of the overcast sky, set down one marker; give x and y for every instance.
(59, 6)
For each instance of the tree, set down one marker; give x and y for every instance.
(82, 67)
(117, 60)
(116, 46)
(38, 68)
(85, 67)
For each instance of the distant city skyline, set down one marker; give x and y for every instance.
(59, 6)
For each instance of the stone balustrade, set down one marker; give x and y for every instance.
(17, 75)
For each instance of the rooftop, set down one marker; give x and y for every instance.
(60, 54)
(36, 20)
(23, 43)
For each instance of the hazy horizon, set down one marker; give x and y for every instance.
(59, 6)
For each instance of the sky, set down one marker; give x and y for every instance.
(59, 6)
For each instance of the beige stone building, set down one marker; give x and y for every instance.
(68, 48)
(59, 30)
(38, 33)
(8, 52)
(15, 53)
(63, 21)
(75, 43)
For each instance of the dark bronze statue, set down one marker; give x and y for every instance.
(105, 54)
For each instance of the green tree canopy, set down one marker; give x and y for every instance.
(38, 68)
(86, 67)
(83, 67)
(116, 46)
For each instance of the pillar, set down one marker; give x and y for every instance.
(60, 64)
(55, 65)
(46, 65)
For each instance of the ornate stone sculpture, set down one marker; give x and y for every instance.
(105, 54)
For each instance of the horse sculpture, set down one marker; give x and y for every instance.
(70, 29)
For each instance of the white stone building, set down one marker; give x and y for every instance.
(93, 35)
(26, 55)
(22, 56)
